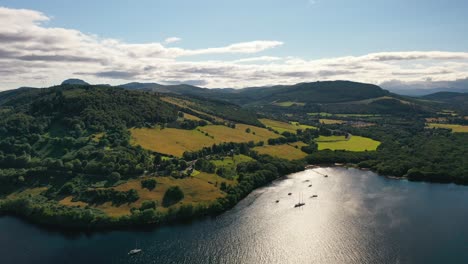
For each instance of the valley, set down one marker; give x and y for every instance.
(96, 157)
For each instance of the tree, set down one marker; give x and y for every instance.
(172, 196)
(113, 177)
(149, 184)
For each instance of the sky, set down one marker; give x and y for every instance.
(233, 43)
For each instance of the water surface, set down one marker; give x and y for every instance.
(358, 217)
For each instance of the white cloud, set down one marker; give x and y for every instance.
(36, 55)
(172, 40)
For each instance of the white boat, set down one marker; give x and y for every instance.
(134, 251)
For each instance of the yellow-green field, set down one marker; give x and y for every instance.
(188, 104)
(288, 103)
(175, 142)
(453, 127)
(323, 114)
(331, 121)
(231, 162)
(281, 127)
(355, 143)
(281, 151)
(191, 117)
(198, 189)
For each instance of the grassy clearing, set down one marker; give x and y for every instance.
(96, 137)
(298, 144)
(176, 141)
(371, 100)
(455, 128)
(288, 103)
(189, 105)
(331, 121)
(355, 143)
(300, 126)
(26, 192)
(191, 117)
(231, 162)
(198, 189)
(281, 127)
(281, 151)
(323, 114)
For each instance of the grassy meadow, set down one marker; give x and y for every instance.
(202, 188)
(453, 127)
(288, 103)
(175, 142)
(355, 143)
(281, 127)
(281, 151)
(330, 121)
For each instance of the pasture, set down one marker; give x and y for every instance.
(330, 121)
(288, 103)
(355, 143)
(202, 188)
(455, 128)
(175, 142)
(281, 127)
(281, 151)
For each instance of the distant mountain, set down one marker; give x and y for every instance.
(75, 82)
(421, 88)
(424, 92)
(314, 92)
(446, 96)
(450, 99)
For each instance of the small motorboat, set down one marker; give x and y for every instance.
(289, 193)
(134, 251)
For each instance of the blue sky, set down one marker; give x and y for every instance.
(308, 30)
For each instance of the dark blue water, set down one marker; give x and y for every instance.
(358, 217)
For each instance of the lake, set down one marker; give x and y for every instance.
(358, 217)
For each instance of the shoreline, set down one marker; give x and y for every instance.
(111, 226)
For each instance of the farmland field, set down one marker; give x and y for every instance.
(281, 151)
(231, 162)
(331, 121)
(453, 127)
(175, 142)
(355, 143)
(288, 103)
(284, 126)
(198, 189)
(323, 114)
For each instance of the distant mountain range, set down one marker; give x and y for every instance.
(332, 96)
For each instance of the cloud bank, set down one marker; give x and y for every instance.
(32, 54)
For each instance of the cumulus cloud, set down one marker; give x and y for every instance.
(33, 54)
(172, 40)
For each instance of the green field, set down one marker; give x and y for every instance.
(330, 121)
(198, 189)
(175, 142)
(281, 151)
(281, 127)
(288, 103)
(231, 162)
(355, 143)
(323, 114)
(453, 127)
